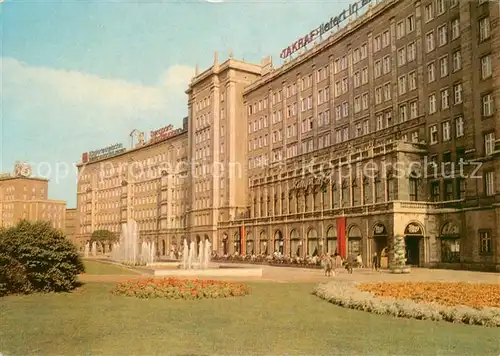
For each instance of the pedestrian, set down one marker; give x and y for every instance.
(375, 261)
(359, 260)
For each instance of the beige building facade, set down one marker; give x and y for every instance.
(26, 198)
(70, 225)
(389, 126)
(147, 183)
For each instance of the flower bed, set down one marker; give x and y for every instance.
(273, 260)
(476, 295)
(174, 288)
(348, 295)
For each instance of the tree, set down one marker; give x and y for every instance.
(36, 257)
(103, 237)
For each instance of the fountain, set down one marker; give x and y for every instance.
(126, 250)
(185, 252)
(86, 250)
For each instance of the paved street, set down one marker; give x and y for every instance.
(290, 274)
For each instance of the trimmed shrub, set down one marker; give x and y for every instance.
(38, 258)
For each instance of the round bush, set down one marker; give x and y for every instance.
(48, 261)
(173, 288)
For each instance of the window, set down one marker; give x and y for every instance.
(338, 112)
(445, 99)
(378, 68)
(357, 79)
(402, 84)
(377, 43)
(414, 137)
(440, 7)
(356, 54)
(386, 38)
(443, 66)
(412, 80)
(457, 93)
(401, 56)
(459, 126)
(485, 243)
(413, 109)
(345, 109)
(364, 75)
(455, 29)
(431, 72)
(446, 131)
(358, 130)
(410, 23)
(388, 118)
(400, 29)
(487, 104)
(387, 64)
(365, 101)
(366, 127)
(432, 103)
(338, 136)
(387, 91)
(345, 85)
(403, 113)
(486, 67)
(489, 183)
(489, 143)
(448, 190)
(364, 51)
(442, 35)
(378, 95)
(457, 61)
(411, 52)
(429, 12)
(346, 133)
(429, 40)
(433, 130)
(484, 28)
(379, 122)
(357, 104)
(435, 191)
(338, 89)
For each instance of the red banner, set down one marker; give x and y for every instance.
(341, 238)
(242, 240)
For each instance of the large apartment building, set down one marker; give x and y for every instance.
(23, 197)
(387, 127)
(146, 183)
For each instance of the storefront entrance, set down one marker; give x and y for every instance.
(412, 250)
(414, 235)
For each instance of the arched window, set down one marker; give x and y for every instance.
(313, 247)
(279, 243)
(295, 243)
(331, 240)
(354, 241)
(250, 248)
(263, 243)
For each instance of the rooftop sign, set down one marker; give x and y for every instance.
(164, 132)
(106, 152)
(324, 27)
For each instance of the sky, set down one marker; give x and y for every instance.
(79, 75)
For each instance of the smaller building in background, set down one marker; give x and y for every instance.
(25, 197)
(70, 225)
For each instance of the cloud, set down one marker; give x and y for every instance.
(53, 115)
(86, 90)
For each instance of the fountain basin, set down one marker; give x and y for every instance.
(212, 271)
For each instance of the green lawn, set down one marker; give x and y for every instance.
(276, 319)
(103, 268)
